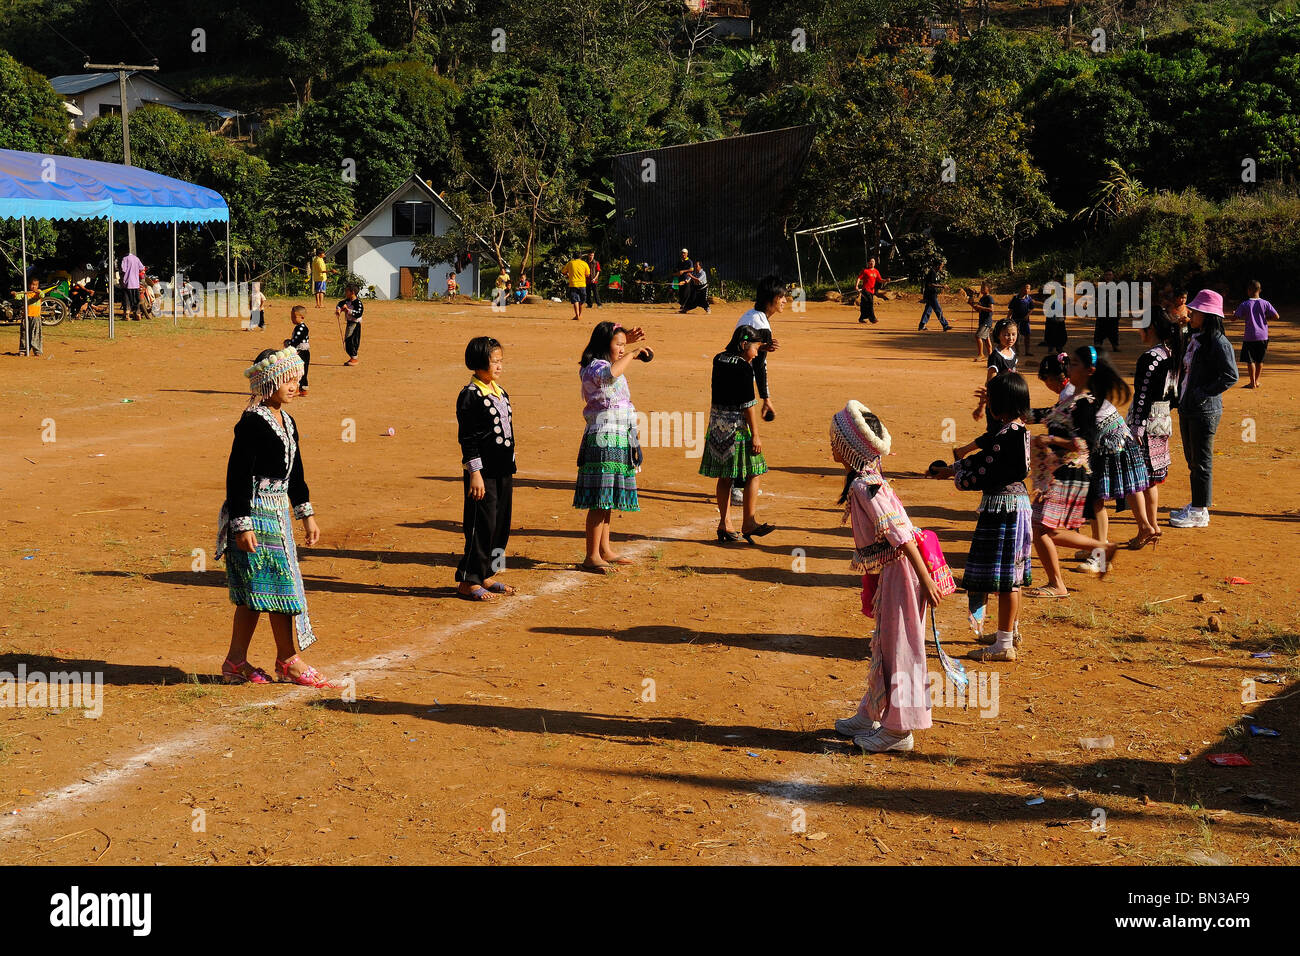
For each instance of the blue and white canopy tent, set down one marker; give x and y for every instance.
(43, 186)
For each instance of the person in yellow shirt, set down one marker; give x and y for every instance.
(576, 271)
(317, 272)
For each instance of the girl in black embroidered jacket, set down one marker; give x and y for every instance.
(997, 463)
(487, 449)
(265, 490)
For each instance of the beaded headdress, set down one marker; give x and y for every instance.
(270, 373)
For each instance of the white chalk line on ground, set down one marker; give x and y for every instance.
(101, 783)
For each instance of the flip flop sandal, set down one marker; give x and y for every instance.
(497, 587)
(476, 593)
(1044, 592)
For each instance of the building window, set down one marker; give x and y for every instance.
(106, 109)
(412, 218)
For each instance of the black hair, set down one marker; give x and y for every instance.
(600, 343)
(1161, 326)
(1001, 326)
(1008, 397)
(747, 333)
(769, 287)
(478, 354)
(264, 354)
(1055, 364)
(1104, 382)
(1211, 325)
(873, 422)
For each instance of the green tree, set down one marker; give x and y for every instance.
(309, 206)
(32, 117)
(164, 142)
(389, 116)
(318, 38)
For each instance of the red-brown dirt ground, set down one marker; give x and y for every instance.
(677, 713)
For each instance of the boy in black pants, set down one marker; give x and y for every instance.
(487, 452)
(299, 341)
(350, 308)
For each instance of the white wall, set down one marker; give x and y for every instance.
(138, 92)
(377, 256)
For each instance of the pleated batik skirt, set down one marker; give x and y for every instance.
(1120, 474)
(1002, 547)
(268, 579)
(607, 463)
(727, 452)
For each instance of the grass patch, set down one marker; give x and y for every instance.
(193, 690)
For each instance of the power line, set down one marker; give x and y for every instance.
(84, 54)
(112, 6)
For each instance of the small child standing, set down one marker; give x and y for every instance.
(299, 340)
(897, 588)
(984, 310)
(997, 464)
(1256, 313)
(351, 308)
(256, 307)
(487, 453)
(265, 490)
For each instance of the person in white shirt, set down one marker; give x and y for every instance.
(256, 304)
(770, 300)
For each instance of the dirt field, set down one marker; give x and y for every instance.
(677, 713)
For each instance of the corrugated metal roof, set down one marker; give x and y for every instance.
(71, 84)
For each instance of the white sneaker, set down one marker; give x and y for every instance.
(1180, 513)
(1194, 518)
(881, 741)
(1091, 566)
(855, 726)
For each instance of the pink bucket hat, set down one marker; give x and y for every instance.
(1207, 301)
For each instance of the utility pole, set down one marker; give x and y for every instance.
(121, 69)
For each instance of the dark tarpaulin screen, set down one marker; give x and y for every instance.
(723, 200)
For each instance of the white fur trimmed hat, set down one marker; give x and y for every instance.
(858, 444)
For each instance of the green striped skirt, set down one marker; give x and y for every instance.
(727, 452)
(607, 464)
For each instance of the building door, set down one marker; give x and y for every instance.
(408, 276)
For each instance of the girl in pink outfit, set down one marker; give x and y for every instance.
(897, 700)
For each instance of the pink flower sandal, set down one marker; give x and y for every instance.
(307, 677)
(243, 673)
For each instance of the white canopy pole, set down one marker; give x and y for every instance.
(176, 269)
(108, 277)
(25, 337)
(227, 275)
(798, 265)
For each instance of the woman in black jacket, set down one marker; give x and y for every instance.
(1208, 370)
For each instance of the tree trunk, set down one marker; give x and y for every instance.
(1011, 256)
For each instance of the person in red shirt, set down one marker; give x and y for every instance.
(869, 280)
